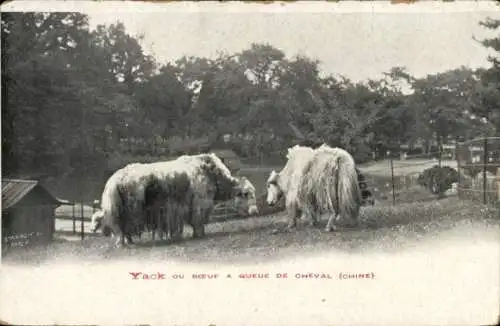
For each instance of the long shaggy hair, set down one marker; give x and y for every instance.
(331, 186)
(292, 174)
(211, 181)
(123, 201)
(175, 198)
(288, 181)
(318, 181)
(135, 196)
(181, 191)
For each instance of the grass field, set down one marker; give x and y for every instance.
(382, 227)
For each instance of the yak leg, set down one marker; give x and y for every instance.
(177, 228)
(310, 211)
(293, 212)
(129, 238)
(314, 211)
(176, 233)
(159, 222)
(198, 225)
(197, 221)
(330, 226)
(162, 227)
(164, 230)
(167, 222)
(151, 222)
(198, 230)
(119, 231)
(176, 222)
(180, 227)
(127, 235)
(314, 218)
(120, 240)
(156, 226)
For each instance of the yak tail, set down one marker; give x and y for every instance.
(348, 192)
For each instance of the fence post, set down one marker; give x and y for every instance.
(485, 162)
(498, 186)
(440, 154)
(81, 220)
(459, 183)
(392, 181)
(73, 218)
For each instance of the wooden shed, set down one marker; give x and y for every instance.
(28, 213)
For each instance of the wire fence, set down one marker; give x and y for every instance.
(396, 180)
(479, 170)
(474, 161)
(74, 219)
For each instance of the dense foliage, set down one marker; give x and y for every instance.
(75, 99)
(438, 179)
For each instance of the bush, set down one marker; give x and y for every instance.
(438, 179)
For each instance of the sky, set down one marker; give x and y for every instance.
(357, 40)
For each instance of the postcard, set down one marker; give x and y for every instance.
(250, 163)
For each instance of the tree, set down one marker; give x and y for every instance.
(37, 52)
(62, 97)
(489, 89)
(395, 122)
(346, 113)
(262, 63)
(441, 104)
(125, 57)
(165, 103)
(301, 83)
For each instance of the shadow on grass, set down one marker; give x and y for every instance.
(250, 227)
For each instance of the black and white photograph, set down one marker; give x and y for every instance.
(245, 163)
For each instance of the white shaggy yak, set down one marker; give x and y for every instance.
(185, 189)
(315, 182)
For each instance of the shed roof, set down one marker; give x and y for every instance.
(13, 190)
